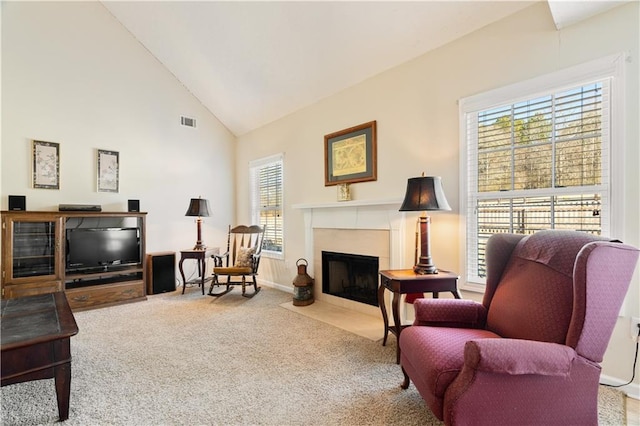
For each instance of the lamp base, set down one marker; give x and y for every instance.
(425, 269)
(199, 244)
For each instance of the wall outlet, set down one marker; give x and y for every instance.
(634, 328)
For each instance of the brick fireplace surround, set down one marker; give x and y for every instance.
(370, 228)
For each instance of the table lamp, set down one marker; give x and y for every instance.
(424, 193)
(200, 208)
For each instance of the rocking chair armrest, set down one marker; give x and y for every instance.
(217, 258)
(255, 260)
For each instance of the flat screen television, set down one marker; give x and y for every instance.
(90, 249)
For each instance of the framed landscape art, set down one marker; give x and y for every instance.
(350, 155)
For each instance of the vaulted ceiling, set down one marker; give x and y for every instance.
(251, 63)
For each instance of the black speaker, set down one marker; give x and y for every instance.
(17, 202)
(161, 272)
(134, 205)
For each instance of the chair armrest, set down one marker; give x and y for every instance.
(518, 357)
(449, 313)
(217, 258)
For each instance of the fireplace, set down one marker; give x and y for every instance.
(350, 276)
(368, 228)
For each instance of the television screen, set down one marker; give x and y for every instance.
(89, 248)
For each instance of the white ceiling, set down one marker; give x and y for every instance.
(250, 63)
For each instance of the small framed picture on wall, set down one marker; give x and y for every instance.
(45, 165)
(108, 166)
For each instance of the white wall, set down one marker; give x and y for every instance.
(72, 74)
(416, 109)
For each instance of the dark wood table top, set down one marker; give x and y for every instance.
(410, 275)
(35, 319)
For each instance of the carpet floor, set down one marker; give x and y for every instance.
(196, 360)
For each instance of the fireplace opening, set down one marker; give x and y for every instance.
(350, 276)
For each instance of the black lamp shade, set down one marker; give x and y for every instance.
(424, 193)
(198, 207)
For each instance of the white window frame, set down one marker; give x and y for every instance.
(611, 69)
(254, 167)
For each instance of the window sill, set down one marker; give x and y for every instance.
(272, 255)
(473, 287)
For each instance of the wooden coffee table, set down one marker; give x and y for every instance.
(36, 334)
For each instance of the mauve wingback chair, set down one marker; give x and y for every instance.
(530, 353)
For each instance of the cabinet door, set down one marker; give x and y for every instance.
(32, 249)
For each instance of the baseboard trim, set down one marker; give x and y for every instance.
(631, 390)
(276, 286)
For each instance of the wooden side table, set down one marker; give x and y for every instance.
(403, 281)
(201, 257)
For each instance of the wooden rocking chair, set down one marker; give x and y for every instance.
(241, 260)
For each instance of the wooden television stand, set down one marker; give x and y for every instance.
(34, 250)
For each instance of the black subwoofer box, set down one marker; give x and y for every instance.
(161, 272)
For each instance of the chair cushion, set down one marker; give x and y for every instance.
(232, 270)
(244, 257)
(532, 302)
(534, 299)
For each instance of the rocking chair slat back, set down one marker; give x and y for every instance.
(243, 236)
(243, 239)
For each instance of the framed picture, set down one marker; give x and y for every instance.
(350, 155)
(46, 165)
(108, 171)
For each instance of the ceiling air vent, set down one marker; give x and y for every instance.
(186, 121)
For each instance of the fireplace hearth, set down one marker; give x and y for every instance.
(350, 276)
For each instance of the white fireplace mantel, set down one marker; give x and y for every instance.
(349, 204)
(357, 214)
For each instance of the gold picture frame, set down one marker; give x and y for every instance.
(350, 155)
(108, 171)
(45, 162)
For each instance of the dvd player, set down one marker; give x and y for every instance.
(79, 207)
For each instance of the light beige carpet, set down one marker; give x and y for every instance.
(197, 360)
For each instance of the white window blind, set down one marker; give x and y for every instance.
(541, 161)
(266, 178)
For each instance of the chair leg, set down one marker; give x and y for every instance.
(255, 285)
(405, 384)
(215, 282)
(256, 289)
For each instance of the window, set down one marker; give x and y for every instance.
(537, 155)
(266, 202)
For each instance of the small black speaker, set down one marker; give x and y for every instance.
(17, 202)
(161, 272)
(134, 205)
